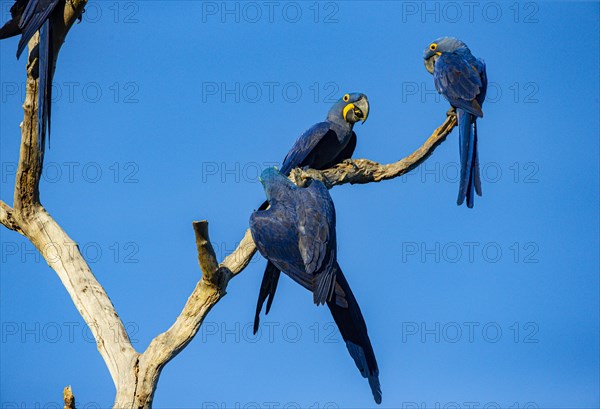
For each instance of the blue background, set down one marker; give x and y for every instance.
(170, 120)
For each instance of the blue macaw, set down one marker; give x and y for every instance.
(462, 80)
(297, 235)
(330, 142)
(28, 17)
(322, 146)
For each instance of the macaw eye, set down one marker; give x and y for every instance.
(346, 98)
(433, 46)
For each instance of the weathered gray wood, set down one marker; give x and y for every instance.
(68, 398)
(136, 375)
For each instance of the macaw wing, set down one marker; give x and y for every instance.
(481, 68)
(276, 239)
(317, 240)
(347, 152)
(35, 14)
(459, 81)
(304, 145)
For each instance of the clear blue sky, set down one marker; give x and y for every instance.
(165, 112)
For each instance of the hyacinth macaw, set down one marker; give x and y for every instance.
(332, 141)
(28, 17)
(462, 80)
(297, 235)
(322, 146)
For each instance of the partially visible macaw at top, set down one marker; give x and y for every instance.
(28, 17)
(322, 146)
(461, 79)
(297, 234)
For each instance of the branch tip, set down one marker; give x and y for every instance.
(69, 398)
(206, 254)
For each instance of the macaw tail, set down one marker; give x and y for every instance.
(45, 83)
(267, 289)
(470, 180)
(352, 326)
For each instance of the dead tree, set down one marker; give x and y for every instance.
(135, 374)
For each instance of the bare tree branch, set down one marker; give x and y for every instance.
(209, 290)
(136, 375)
(354, 171)
(360, 171)
(33, 221)
(30, 169)
(7, 218)
(68, 398)
(206, 254)
(237, 261)
(213, 284)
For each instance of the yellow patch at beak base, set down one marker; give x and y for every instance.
(346, 109)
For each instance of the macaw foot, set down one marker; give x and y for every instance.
(351, 163)
(451, 112)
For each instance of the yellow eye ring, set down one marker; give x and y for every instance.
(346, 98)
(433, 46)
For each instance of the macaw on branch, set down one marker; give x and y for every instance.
(330, 142)
(462, 80)
(28, 17)
(297, 235)
(322, 146)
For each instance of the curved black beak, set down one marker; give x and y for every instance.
(357, 110)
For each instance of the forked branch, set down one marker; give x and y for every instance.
(353, 171)
(136, 375)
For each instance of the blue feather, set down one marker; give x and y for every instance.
(476, 164)
(29, 17)
(462, 80)
(297, 235)
(45, 84)
(470, 181)
(35, 15)
(322, 146)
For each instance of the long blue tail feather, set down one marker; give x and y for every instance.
(353, 329)
(476, 160)
(470, 181)
(35, 15)
(471, 189)
(45, 83)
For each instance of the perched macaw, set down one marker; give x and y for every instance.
(462, 80)
(322, 146)
(28, 17)
(332, 141)
(297, 235)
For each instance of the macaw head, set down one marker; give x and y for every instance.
(351, 108)
(438, 47)
(274, 181)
